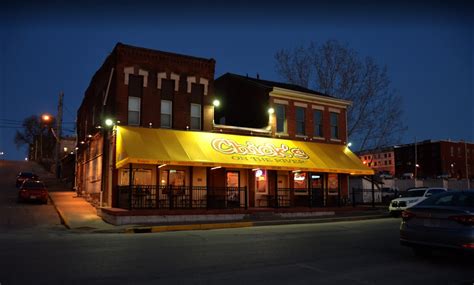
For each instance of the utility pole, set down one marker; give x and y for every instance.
(59, 122)
(467, 169)
(416, 160)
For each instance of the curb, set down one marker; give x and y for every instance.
(157, 229)
(62, 217)
(214, 226)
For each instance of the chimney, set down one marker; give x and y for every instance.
(258, 76)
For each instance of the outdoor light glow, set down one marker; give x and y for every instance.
(349, 144)
(258, 173)
(46, 117)
(2, 153)
(162, 165)
(82, 142)
(26, 158)
(217, 167)
(271, 111)
(216, 103)
(77, 148)
(109, 122)
(417, 165)
(295, 171)
(65, 149)
(89, 136)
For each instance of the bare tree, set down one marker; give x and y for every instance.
(37, 136)
(374, 119)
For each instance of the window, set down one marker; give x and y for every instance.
(452, 151)
(166, 113)
(300, 127)
(318, 123)
(300, 183)
(195, 116)
(280, 118)
(334, 125)
(134, 111)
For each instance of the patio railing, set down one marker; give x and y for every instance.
(181, 197)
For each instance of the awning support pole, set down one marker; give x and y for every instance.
(130, 185)
(373, 192)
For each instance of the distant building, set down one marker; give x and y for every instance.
(381, 160)
(435, 159)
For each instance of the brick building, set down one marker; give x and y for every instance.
(445, 159)
(381, 160)
(165, 151)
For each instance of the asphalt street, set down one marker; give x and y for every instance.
(41, 251)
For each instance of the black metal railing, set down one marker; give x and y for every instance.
(181, 197)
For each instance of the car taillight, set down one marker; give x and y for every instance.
(466, 220)
(407, 215)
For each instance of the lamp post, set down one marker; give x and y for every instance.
(45, 120)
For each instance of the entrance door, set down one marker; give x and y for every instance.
(232, 189)
(283, 190)
(317, 189)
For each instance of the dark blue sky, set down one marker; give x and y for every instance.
(427, 48)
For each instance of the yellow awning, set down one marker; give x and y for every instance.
(161, 146)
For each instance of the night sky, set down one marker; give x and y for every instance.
(428, 49)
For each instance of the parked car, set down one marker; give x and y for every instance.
(444, 221)
(22, 176)
(410, 198)
(33, 190)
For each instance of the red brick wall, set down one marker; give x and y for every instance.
(309, 127)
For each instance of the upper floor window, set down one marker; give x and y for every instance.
(134, 111)
(135, 85)
(334, 125)
(300, 120)
(452, 151)
(318, 123)
(166, 113)
(280, 118)
(195, 116)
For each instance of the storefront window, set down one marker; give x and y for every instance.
(140, 177)
(172, 177)
(300, 183)
(232, 179)
(333, 184)
(261, 181)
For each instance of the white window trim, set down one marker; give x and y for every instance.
(160, 76)
(190, 80)
(299, 104)
(175, 77)
(144, 73)
(127, 71)
(321, 108)
(334, 110)
(278, 101)
(204, 82)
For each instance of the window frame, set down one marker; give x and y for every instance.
(334, 127)
(318, 126)
(191, 117)
(170, 114)
(299, 122)
(137, 111)
(281, 107)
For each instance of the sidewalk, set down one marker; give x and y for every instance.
(78, 215)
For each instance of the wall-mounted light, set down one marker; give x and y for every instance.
(65, 149)
(82, 142)
(349, 144)
(271, 110)
(109, 122)
(216, 103)
(89, 136)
